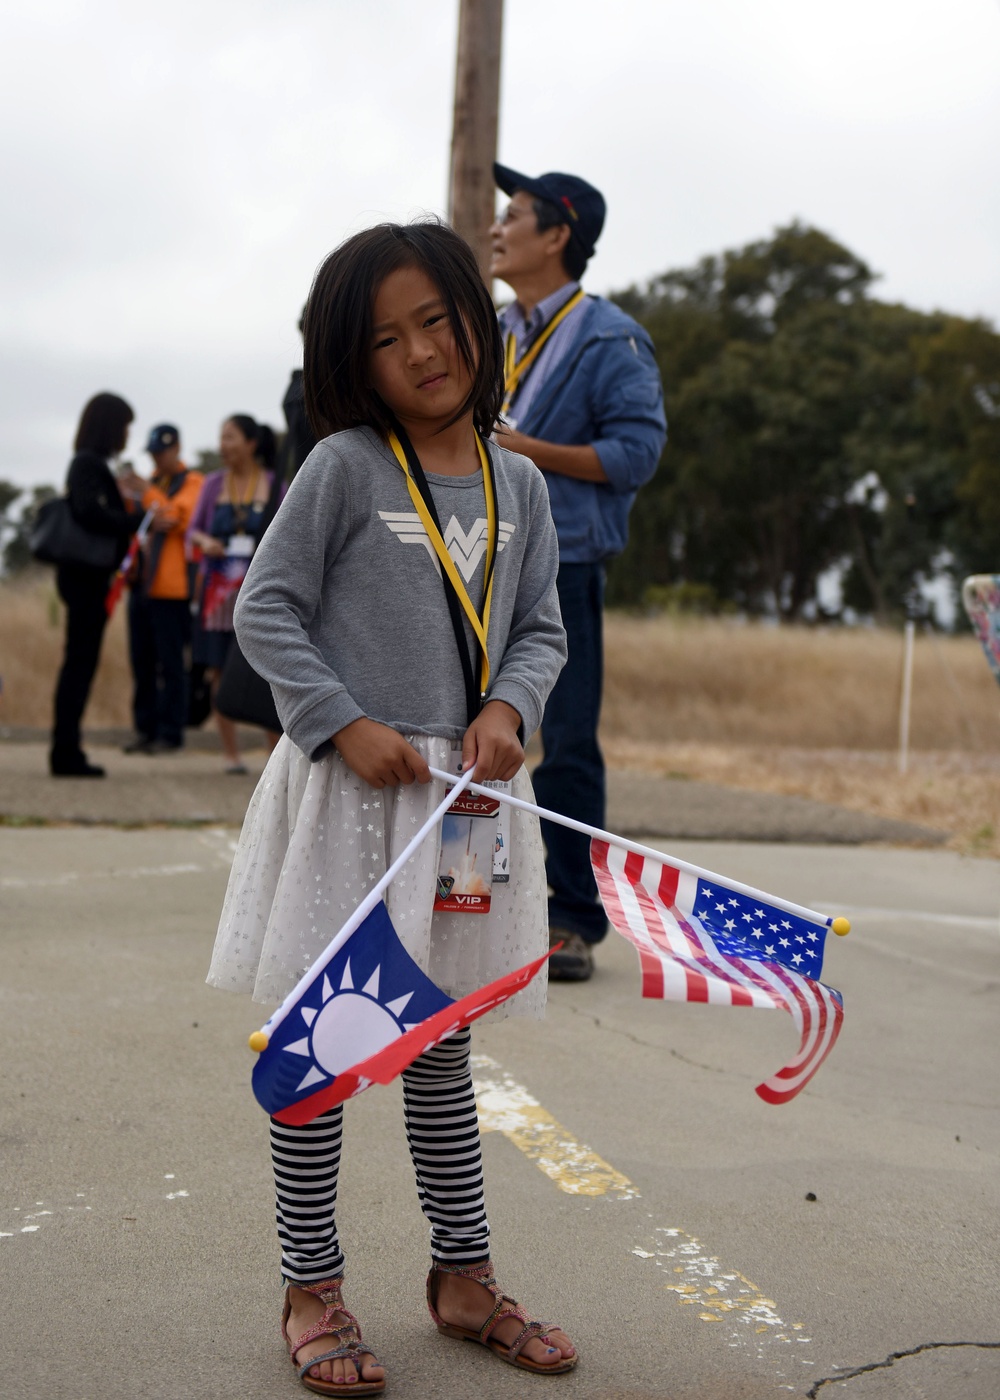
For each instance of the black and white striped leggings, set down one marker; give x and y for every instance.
(442, 1130)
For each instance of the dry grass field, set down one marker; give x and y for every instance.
(722, 682)
(812, 712)
(31, 637)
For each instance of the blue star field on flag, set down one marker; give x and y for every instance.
(745, 927)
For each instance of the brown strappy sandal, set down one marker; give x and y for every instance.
(503, 1307)
(346, 1336)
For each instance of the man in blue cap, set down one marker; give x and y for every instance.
(159, 610)
(584, 401)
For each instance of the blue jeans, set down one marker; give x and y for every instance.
(570, 777)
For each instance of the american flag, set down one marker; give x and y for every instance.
(700, 939)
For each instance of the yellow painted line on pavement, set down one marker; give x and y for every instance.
(701, 1281)
(506, 1107)
(698, 1280)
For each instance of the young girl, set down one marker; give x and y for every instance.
(376, 675)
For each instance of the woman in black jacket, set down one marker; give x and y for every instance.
(98, 505)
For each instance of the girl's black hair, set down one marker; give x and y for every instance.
(265, 445)
(338, 324)
(103, 426)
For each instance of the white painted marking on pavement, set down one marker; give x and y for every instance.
(133, 872)
(220, 842)
(39, 1214)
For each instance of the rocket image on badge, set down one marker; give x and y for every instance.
(468, 843)
(465, 878)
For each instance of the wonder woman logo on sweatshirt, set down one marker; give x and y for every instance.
(466, 550)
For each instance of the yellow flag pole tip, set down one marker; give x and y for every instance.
(841, 926)
(258, 1041)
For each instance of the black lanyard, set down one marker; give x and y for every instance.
(148, 568)
(471, 664)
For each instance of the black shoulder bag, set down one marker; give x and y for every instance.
(57, 537)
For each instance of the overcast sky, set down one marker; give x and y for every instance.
(173, 173)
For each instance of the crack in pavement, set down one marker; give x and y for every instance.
(812, 1090)
(647, 1044)
(890, 1360)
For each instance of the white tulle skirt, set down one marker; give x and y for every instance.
(316, 838)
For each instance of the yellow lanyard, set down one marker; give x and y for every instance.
(515, 369)
(480, 625)
(241, 509)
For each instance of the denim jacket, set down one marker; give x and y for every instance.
(605, 393)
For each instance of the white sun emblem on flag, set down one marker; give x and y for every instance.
(347, 1027)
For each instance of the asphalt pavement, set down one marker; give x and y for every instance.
(697, 1243)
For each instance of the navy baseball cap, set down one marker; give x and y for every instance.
(583, 206)
(161, 437)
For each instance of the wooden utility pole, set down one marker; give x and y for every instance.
(471, 194)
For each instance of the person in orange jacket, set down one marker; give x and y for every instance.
(159, 604)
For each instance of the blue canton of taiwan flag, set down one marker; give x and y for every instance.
(364, 1015)
(702, 940)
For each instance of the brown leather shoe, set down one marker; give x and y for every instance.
(574, 962)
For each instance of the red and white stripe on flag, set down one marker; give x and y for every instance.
(653, 903)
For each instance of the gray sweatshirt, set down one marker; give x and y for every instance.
(343, 610)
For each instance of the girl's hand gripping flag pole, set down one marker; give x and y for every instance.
(364, 1011)
(703, 938)
(121, 574)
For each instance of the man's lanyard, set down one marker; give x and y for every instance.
(156, 544)
(421, 497)
(514, 369)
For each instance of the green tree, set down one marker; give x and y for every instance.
(811, 426)
(208, 460)
(960, 404)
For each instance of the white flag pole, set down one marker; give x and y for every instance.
(595, 832)
(258, 1041)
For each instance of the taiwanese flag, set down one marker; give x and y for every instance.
(702, 939)
(364, 1015)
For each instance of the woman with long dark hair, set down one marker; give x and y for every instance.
(97, 502)
(226, 526)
